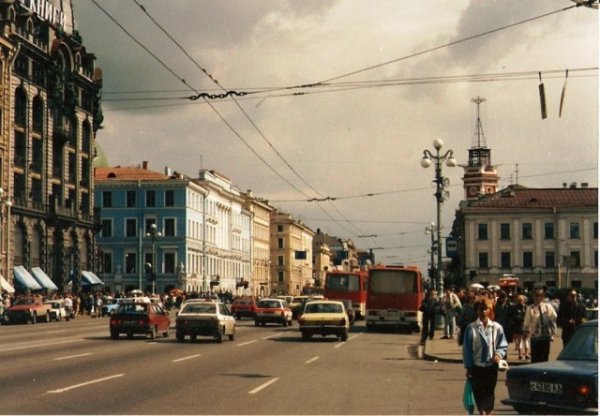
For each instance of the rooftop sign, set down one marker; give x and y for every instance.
(45, 10)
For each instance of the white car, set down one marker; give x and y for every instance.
(57, 309)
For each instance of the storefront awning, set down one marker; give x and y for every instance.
(7, 287)
(25, 280)
(43, 279)
(90, 278)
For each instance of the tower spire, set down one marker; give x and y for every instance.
(479, 137)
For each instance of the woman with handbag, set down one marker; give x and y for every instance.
(483, 347)
(540, 325)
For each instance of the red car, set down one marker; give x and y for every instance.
(243, 307)
(272, 310)
(139, 316)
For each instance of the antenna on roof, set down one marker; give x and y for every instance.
(479, 139)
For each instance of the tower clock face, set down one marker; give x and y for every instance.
(473, 190)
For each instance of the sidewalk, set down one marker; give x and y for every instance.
(448, 350)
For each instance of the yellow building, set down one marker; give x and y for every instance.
(291, 254)
(260, 241)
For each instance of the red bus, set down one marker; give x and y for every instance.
(394, 296)
(348, 285)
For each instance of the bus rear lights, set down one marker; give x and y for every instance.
(583, 390)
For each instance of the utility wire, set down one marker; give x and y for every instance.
(232, 95)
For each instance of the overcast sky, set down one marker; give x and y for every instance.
(340, 140)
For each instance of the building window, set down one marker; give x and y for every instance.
(527, 259)
(504, 231)
(483, 260)
(280, 276)
(505, 260)
(549, 231)
(576, 284)
(148, 224)
(169, 265)
(527, 230)
(280, 228)
(169, 230)
(150, 198)
(169, 198)
(131, 199)
(130, 263)
(130, 227)
(107, 199)
(280, 260)
(575, 260)
(107, 263)
(550, 259)
(106, 228)
(596, 259)
(482, 231)
(595, 231)
(574, 230)
(280, 243)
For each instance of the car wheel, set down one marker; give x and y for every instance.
(33, 318)
(152, 332)
(344, 335)
(47, 317)
(114, 334)
(165, 333)
(179, 337)
(232, 335)
(284, 323)
(193, 337)
(238, 316)
(219, 336)
(305, 336)
(130, 335)
(523, 410)
(255, 322)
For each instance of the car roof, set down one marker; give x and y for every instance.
(324, 301)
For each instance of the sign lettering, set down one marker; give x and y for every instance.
(45, 10)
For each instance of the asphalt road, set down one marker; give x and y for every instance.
(75, 368)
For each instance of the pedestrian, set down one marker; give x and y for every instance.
(98, 306)
(429, 308)
(516, 317)
(540, 325)
(501, 313)
(467, 315)
(571, 314)
(483, 348)
(451, 307)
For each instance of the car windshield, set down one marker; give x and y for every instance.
(323, 308)
(583, 345)
(199, 308)
(243, 302)
(269, 304)
(133, 308)
(24, 301)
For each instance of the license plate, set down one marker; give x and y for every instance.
(541, 387)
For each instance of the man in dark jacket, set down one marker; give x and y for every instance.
(571, 314)
(429, 307)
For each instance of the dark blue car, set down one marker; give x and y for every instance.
(567, 385)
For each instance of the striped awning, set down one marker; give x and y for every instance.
(25, 279)
(7, 287)
(90, 278)
(43, 279)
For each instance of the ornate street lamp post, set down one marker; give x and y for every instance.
(441, 194)
(153, 234)
(431, 229)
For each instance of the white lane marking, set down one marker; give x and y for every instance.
(339, 344)
(68, 357)
(41, 344)
(272, 336)
(263, 386)
(87, 383)
(312, 360)
(189, 357)
(354, 336)
(247, 343)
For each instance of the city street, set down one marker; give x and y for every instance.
(75, 368)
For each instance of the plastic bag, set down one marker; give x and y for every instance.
(468, 399)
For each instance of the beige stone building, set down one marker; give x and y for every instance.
(260, 241)
(291, 254)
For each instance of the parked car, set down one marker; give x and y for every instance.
(57, 310)
(591, 313)
(297, 305)
(243, 307)
(139, 316)
(204, 318)
(28, 309)
(567, 385)
(272, 311)
(324, 317)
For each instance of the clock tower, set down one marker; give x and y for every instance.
(481, 177)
